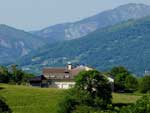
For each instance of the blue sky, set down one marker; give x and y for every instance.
(37, 14)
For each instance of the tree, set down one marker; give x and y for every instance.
(93, 89)
(4, 75)
(124, 81)
(145, 84)
(119, 82)
(119, 70)
(131, 83)
(4, 108)
(18, 76)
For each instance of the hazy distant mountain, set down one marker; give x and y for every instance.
(81, 28)
(104, 44)
(126, 44)
(16, 43)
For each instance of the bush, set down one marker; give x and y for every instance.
(141, 106)
(68, 103)
(83, 109)
(4, 108)
(145, 84)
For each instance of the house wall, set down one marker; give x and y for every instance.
(35, 84)
(58, 75)
(62, 85)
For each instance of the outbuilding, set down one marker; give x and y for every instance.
(38, 81)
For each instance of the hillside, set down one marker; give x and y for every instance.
(23, 99)
(16, 43)
(124, 44)
(83, 27)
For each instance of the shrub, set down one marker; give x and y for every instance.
(68, 103)
(4, 108)
(141, 106)
(145, 84)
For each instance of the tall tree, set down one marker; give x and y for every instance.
(4, 75)
(145, 84)
(93, 89)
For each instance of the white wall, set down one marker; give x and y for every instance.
(63, 85)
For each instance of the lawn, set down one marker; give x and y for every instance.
(125, 98)
(22, 99)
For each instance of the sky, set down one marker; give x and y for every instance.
(37, 14)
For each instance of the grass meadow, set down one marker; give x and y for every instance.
(23, 99)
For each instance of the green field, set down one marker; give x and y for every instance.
(22, 99)
(31, 100)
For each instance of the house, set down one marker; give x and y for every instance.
(63, 77)
(38, 81)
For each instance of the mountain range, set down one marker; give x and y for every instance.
(69, 31)
(126, 44)
(15, 43)
(115, 37)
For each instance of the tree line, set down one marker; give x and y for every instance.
(13, 75)
(124, 81)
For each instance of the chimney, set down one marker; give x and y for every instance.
(69, 66)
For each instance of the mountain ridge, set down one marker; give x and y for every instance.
(125, 44)
(85, 26)
(15, 43)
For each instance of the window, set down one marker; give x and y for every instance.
(52, 76)
(67, 76)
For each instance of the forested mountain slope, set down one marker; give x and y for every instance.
(126, 44)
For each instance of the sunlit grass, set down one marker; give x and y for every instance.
(23, 99)
(125, 98)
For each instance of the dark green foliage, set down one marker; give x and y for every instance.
(119, 83)
(120, 74)
(144, 86)
(4, 75)
(131, 83)
(119, 70)
(124, 81)
(4, 108)
(16, 76)
(83, 109)
(93, 89)
(67, 104)
(141, 106)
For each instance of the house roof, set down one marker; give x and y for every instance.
(54, 70)
(73, 71)
(76, 71)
